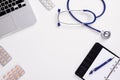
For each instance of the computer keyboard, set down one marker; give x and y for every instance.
(7, 6)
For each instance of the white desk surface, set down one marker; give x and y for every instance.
(47, 52)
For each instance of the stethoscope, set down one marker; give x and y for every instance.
(104, 34)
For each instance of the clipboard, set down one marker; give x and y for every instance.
(97, 56)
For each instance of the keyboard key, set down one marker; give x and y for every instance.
(0, 1)
(2, 8)
(12, 9)
(19, 1)
(13, 4)
(10, 5)
(24, 5)
(16, 8)
(8, 10)
(2, 4)
(2, 13)
(10, 1)
(19, 5)
(6, 7)
(6, 2)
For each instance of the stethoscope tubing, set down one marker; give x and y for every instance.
(87, 24)
(104, 34)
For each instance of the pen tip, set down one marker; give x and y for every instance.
(90, 72)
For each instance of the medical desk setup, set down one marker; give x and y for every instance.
(59, 40)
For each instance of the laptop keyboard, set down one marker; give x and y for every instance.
(7, 6)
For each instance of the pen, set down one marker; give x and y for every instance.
(100, 66)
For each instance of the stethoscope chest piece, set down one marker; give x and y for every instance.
(105, 34)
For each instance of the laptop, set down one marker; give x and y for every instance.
(15, 15)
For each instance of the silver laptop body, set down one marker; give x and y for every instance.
(15, 15)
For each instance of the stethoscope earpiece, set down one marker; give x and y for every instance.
(105, 34)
